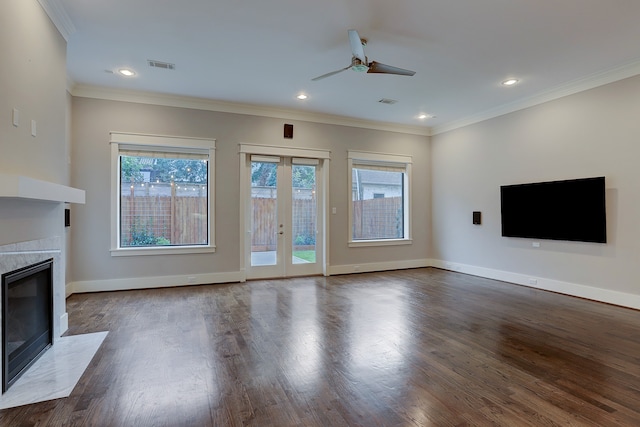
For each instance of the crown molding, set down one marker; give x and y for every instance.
(575, 86)
(70, 83)
(59, 17)
(86, 91)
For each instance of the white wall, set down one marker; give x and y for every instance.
(593, 133)
(33, 80)
(93, 267)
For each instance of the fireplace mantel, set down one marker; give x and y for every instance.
(24, 187)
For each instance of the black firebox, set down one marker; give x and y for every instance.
(27, 318)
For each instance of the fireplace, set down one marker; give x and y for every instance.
(27, 318)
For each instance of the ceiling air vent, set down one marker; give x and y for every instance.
(160, 64)
(387, 101)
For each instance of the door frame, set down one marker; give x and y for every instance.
(245, 152)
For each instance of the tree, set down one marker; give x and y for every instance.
(304, 176)
(263, 174)
(133, 169)
(130, 169)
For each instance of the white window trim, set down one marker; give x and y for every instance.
(165, 143)
(381, 159)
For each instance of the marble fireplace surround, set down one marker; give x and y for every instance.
(23, 254)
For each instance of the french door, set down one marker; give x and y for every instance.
(284, 216)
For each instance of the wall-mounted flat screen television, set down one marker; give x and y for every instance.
(558, 210)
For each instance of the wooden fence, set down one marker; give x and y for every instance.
(152, 220)
(147, 220)
(266, 224)
(378, 218)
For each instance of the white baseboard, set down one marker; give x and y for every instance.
(574, 289)
(154, 282)
(68, 290)
(378, 266)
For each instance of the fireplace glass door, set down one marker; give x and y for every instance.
(27, 306)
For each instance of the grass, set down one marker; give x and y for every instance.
(309, 256)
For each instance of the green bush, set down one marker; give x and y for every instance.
(305, 239)
(162, 241)
(142, 238)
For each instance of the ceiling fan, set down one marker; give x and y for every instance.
(360, 63)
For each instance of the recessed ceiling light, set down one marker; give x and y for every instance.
(126, 72)
(302, 96)
(510, 82)
(424, 116)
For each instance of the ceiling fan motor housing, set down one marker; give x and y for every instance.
(358, 65)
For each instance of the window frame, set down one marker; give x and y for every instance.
(145, 142)
(381, 160)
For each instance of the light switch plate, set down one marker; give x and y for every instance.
(16, 117)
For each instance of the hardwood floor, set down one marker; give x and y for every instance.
(421, 347)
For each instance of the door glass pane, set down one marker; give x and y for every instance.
(264, 222)
(303, 214)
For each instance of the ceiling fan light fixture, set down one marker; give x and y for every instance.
(302, 97)
(360, 68)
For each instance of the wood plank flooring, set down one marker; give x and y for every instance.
(421, 347)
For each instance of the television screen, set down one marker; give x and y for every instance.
(558, 210)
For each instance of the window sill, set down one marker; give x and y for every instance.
(386, 242)
(174, 250)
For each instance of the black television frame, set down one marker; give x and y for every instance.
(568, 210)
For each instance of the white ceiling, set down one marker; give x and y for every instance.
(264, 53)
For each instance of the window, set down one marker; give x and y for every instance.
(161, 194)
(379, 206)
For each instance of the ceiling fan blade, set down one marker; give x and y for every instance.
(356, 46)
(376, 67)
(324, 76)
